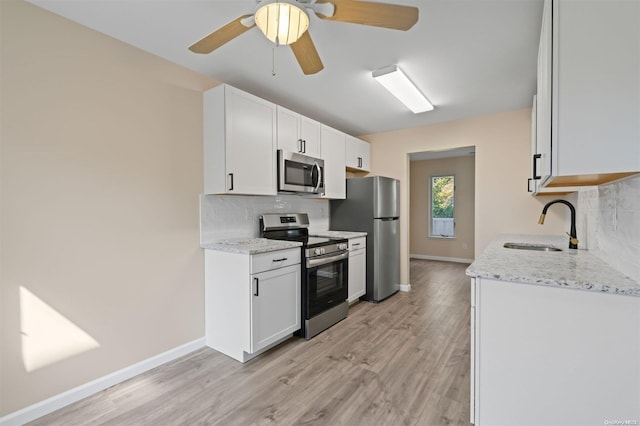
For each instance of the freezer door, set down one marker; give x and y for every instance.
(386, 267)
(386, 197)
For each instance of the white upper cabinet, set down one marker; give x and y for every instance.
(533, 183)
(239, 143)
(358, 154)
(588, 130)
(333, 154)
(297, 133)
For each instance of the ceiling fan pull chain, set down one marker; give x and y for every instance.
(273, 61)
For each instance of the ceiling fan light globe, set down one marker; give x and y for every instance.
(281, 22)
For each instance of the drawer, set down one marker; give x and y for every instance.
(357, 243)
(274, 260)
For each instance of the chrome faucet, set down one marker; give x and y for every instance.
(573, 240)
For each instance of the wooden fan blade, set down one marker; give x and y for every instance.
(221, 36)
(373, 14)
(306, 54)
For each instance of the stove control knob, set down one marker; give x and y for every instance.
(342, 246)
(317, 251)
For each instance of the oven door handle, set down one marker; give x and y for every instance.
(323, 260)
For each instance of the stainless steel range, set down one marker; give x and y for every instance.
(324, 270)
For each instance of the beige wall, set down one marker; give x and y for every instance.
(502, 144)
(101, 168)
(460, 247)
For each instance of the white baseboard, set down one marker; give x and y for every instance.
(443, 259)
(405, 287)
(56, 402)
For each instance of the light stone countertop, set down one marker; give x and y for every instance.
(576, 269)
(337, 234)
(250, 245)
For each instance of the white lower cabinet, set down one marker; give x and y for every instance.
(472, 354)
(357, 268)
(252, 302)
(553, 356)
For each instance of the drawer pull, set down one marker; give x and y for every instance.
(280, 260)
(355, 244)
(257, 292)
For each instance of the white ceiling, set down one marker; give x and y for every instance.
(469, 57)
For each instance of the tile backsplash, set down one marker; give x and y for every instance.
(237, 216)
(610, 217)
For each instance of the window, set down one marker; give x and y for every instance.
(442, 207)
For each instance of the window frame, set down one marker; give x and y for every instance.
(430, 207)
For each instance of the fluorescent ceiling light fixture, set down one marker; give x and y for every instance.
(396, 82)
(282, 22)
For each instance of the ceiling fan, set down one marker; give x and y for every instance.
(286, 22)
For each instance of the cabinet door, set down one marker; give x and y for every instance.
(333, 154)
(543, 98)
(472, 353)
(250, 144)
(596, 84)
(357, 274)
(357, 154)
(532, 182)
(538, 345)
(289, 130)
(310, 135)
(364, 152)
(297, 133)
(275, 305)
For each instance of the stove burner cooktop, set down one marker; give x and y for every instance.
(294, 227)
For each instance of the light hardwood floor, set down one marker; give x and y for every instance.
(404, 361)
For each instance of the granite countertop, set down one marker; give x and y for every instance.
(250, 245)
(576, 269)
(338, 234)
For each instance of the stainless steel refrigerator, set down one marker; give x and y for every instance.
(373, 206)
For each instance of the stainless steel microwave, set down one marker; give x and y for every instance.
(300, 173)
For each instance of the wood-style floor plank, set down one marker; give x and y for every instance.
(404, 361)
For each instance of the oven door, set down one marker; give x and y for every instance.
(326, 282)
(300, 173)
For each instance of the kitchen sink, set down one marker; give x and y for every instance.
(528, 246)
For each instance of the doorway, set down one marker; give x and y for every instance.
(442, 205)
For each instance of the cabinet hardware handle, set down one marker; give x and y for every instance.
(360, 162)
(355, 244)
(280, 260)
(535, 166)
(304, 146)
(257, 292)
(320, 177)
(230, 181)
(529, 185)
(300, 145)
